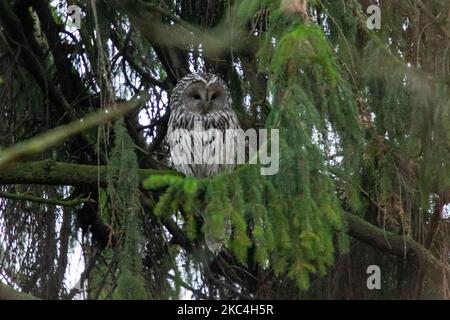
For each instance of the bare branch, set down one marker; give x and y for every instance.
(56, 202)
(55, 136)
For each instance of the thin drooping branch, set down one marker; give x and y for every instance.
(84, 276)
(145, 14)
(56, 202)
(198, 293)
(145, 75)
(53, 137)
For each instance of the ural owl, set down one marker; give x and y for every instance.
(201, 103)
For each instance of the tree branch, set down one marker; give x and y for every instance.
(16, 35)
(49, 172)
(56, 202)
(8, 293)
(57, 135)
(57, 173)
(397, 245)
(70, 81)
(145, 75)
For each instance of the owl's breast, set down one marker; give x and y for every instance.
(199, 145)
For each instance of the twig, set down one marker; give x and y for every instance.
(57, 135)
(197, 292)
(28, 197)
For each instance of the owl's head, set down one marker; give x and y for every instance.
(200, 93)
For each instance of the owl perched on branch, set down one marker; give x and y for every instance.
(201, 115)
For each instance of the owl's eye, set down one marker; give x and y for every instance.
(214, 96)
(197, 96)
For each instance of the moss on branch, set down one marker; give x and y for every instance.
(49, 172)
(53, 137)
(8, 293)
(398, 245)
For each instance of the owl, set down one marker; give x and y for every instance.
(201, 115)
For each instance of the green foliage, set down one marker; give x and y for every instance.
(290, 236)
(293, 220)
(123, 182)
(305, 47)
(248, 8)
(130, 286)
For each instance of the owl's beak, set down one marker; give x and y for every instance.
(205, 107)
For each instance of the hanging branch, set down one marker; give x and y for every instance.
(397, 245)
(56, 202)
(53, 137)
(145, 75)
